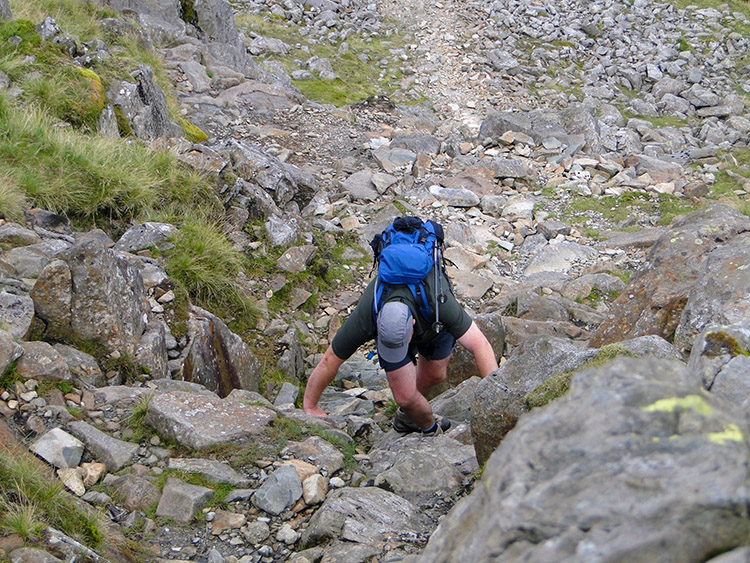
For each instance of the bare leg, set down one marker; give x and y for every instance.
(430, 373)
(403, 382)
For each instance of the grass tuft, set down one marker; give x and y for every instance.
(37, 496)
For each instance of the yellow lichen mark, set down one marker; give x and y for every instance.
(692, 402)
(731, 433)
(743, 267)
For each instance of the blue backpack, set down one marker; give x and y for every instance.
(405, 253)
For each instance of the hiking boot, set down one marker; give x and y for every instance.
(401, 423)
(441, 425)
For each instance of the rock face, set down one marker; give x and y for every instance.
(720, 294)
(93, 296)
(144, 106)
(5, 12)
(361, 515)
(217, 358)
(653, 301)
(499, 398)
(602, 473)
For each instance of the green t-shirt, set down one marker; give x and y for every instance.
(360, 327)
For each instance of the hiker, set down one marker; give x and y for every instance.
(413, 350)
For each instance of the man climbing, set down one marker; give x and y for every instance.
(413, 350)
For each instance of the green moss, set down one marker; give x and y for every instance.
(723, 340)
(188, 12)
(683, 45)
(193, 133)
(559, 384)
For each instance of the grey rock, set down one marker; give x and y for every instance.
(82, 366)
(510, 168)
(58, 448)
(151, 354)
(279, 491)
(284, 182)
(568, 472)
(113, 453)
(538, 125)
(582, 287)
(296, 259)
(519, 207)
(218, 31)
(363, 515)
(319, 452)
(455, 197)
(217, 358)
(360, 186)
(52, 295)
(16, 314)
(292, 359)
(5, 12)
(255, 532)
(644, 238)
(653, 300)
(281, 233)
(182, 501)
(48, 29)
(714, 349)
(288, 394)
(29, 554)
(108, 303)
(701, 97)
(199, 421)
(651, 345)
(418, 476)
(394, 159)
(14, 235)
(161, 20)
(249, 397)
(10, 350)
(214, 471)
(559, 257)
(41, 361)
(499, 400)
(144, 106)
(417, 143)
(146, 235)
(720, 294)
(29, 261)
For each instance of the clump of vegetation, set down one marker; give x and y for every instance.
(32, 498)
(559, 384)
(357, 65)
(618, 208)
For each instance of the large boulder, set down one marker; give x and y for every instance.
(721, 294)
(216, 28)
(161, 19)
(462, 365)
(499, 398)
(284, 182)
(200, 421)
(144, 106)
(93, 296)
(653, 301)
(720, 360)
(217, 358)
(637, 463)
(366, 515)
(5, 13)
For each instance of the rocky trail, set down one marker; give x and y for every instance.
(589, 162)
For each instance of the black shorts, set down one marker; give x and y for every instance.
(438, 348)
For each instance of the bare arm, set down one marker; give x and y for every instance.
(319, 379)
(476, 342)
